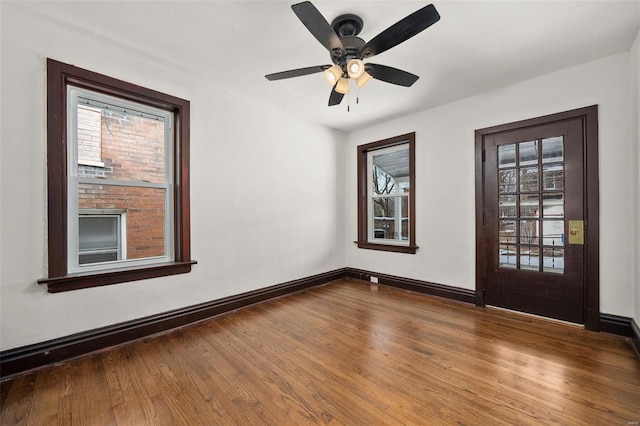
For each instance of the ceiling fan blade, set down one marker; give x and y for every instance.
(318, 26)
(296, 73)
(401, 31)
(391, 75)
(335, 98)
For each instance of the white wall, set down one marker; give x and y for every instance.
(445, 182)
(263, 194)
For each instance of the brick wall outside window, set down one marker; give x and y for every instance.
(131, 149)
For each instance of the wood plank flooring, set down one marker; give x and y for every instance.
(344, 353)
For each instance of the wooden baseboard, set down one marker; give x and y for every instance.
(20, 360)
(440, 290)
(622, 326)
(615, 324)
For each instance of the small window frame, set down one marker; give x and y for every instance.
(365, 228)
(59, 77)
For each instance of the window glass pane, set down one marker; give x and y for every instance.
(116, 144)
(507, 155)
(145, 215)
(552, 149)
(553, 260)
(529, 205)
(553, 233)
(507, 180)
(528, 153)
(553, 205)
(529, 258)
(384, 218)
(98, 233)
(507, 206)
(553, 177)
(529, 231)
(529, 179)
(507, 231)
(507, 256)
(390, 218)
(390, 172)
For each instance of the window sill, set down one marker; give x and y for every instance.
(114, 276)
(91, 163)
(387, 247)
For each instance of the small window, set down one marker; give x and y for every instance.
(100, 236)
(118, 181)
(386, 188)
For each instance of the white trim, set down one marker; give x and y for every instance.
(135, 183)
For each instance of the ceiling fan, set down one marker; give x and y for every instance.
(348, 51)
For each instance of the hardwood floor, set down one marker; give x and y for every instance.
(344, 353)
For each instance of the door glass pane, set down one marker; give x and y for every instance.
(507, 206)
(553, 233)
(529, 232)
(507, 231)
(553, 177)
(528, 153)
(553, 260)
(529, 205)
(508, 256)
(528, 179)
(507, 180)
(507, 155)
(553, 205)
(529, 258)
(552, 149)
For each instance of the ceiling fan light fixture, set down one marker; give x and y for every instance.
(363, 79)
(355, 68)
(332, 75)
(342, 86)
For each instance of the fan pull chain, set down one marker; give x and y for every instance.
(348, 102)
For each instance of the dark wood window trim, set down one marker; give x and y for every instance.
(59, 75)
(363, 217)
(589, 117)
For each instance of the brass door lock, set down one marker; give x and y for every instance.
(576, 232)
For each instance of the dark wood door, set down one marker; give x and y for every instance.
(533, 220)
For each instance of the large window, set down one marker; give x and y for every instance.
(386, 201)
(118, 181)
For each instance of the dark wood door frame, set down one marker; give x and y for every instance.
(589, 118)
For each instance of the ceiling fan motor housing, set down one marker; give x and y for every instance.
(347, 27)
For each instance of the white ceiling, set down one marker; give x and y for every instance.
(477, 46)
